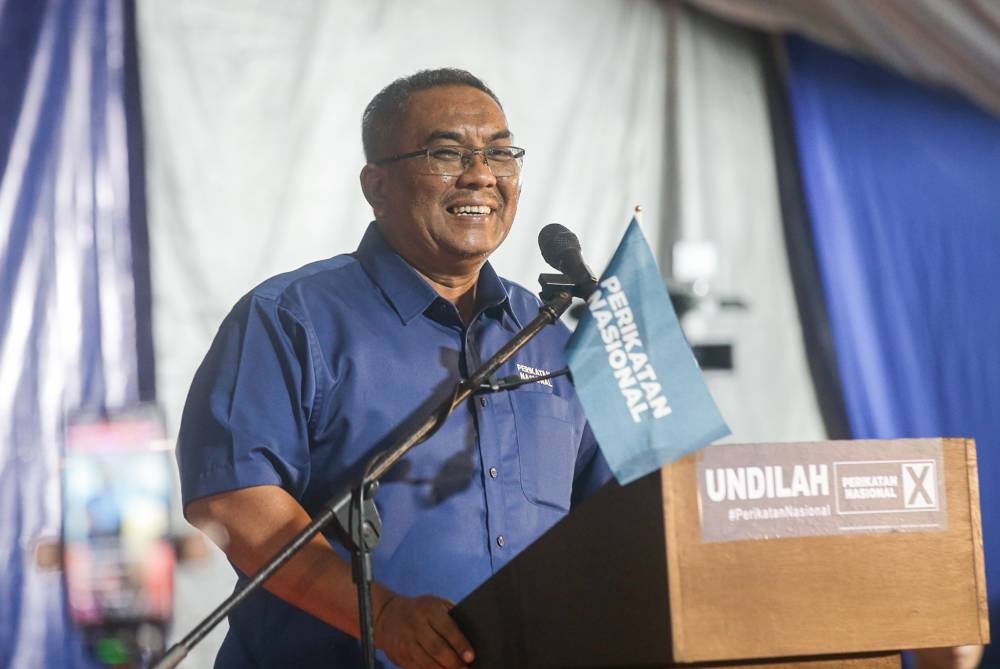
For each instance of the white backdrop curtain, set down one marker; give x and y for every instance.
(253, 131)
(727, 196)
(253, 152)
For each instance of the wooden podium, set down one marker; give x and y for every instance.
(830, 554)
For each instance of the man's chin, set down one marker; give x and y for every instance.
(467, 253)
(478, 246)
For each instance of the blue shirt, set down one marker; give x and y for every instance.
(314, 371)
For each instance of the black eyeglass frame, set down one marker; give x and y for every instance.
(468, 153)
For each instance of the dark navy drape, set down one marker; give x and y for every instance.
(68, 325)
(903, 188)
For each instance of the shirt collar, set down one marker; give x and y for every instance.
(407, 291)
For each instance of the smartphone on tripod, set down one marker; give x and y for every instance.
(117, 540)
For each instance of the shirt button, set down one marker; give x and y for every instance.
(482, 401)
(500, 541)
(493, 472)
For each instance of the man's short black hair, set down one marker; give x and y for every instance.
(382, 113)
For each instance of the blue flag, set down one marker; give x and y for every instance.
(634, 371)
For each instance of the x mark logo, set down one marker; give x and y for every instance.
(919, 485)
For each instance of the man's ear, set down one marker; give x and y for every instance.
(373, 186)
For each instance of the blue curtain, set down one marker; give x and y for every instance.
(903, 188)
(68, 315)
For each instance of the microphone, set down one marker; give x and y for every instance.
(561, 249)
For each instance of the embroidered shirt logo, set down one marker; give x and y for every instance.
(528, 373)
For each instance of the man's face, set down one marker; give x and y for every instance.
(426, 217)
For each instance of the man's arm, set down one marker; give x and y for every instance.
(252, 524)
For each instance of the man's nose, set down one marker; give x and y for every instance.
(477, 172)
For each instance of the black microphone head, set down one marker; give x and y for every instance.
(554, 240)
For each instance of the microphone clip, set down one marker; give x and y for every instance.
(553, 284)
(493, 384)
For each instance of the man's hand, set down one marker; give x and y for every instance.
(958, 657)
(251, 524)
(418, 633)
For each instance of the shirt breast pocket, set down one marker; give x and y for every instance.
(547, 442)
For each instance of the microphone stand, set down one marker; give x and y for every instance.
(354, 510)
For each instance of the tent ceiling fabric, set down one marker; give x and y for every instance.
(954, 44)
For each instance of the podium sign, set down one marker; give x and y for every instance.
(708, 561)
(763, 491)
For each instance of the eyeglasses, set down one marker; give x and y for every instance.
(453, 160)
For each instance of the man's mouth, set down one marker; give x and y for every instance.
(471, 210)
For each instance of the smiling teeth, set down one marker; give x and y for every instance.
(472, 209)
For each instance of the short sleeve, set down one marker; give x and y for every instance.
(592, 470)
(246, 418)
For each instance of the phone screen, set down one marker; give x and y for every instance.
(118, 556)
